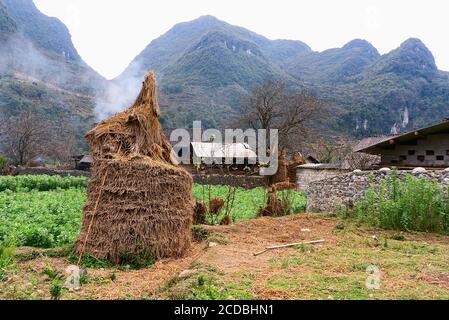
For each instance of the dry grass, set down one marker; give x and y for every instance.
(139, 206)
(413, 267)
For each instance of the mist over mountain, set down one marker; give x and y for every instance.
(40, 69)
(206, 66)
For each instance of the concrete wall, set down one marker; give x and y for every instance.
(329, 194)
(432, 151)
(304, 176)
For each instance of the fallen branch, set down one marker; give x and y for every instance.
(287, 246)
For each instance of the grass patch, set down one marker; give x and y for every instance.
(247, 202)
(46, 211)
(410, 204)
(206, 286)
(41, 219)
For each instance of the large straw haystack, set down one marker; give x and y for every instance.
(139, 201)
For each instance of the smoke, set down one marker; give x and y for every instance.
(119, 93)
(20, 57)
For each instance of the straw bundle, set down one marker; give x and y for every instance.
(139, 203)
(282, 173)
(297, 160)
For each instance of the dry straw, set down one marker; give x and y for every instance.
(139, 202)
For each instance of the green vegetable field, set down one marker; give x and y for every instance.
(44, 211)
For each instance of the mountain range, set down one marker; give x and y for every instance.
(206, 66)
(41, 70)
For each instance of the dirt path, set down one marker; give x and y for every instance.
(415, 266)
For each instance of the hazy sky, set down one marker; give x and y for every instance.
(108, 34)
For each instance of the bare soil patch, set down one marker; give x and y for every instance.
(412, 267)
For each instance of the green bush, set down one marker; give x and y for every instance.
(7, 250)
(3, 161)
(40, 183)
(411, 204)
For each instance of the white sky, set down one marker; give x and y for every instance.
(108, 34)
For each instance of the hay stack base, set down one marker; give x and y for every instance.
(140, 205)
(142, 213)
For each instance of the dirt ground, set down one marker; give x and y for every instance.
(223, 266)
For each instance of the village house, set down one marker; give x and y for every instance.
(211, 154)
(83, 162)
(427, 147)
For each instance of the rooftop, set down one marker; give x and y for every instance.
(374, 144)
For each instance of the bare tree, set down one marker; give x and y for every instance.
(272, 106)
(301, 110)
(261, 106)
(63, 144)
(23, 137)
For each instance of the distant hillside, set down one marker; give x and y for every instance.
(48, 33)
(7, 24)
(333, 66)
(205, 66)
(41, 69)
(395, 92)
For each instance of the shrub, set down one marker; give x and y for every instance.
(7, 251)
(246, 203)
(40, 183)
(411, 204)
(41, 219)
(55, 290)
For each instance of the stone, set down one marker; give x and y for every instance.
(212, 244)
(358, 171)
(446, 170)
(73, 274)
(385, 170)
(419, 170)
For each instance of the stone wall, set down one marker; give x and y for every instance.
(246, 182)
(306, 175)
(329, 194)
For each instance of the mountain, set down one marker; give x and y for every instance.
(7, 24)
(46, 32)
(41, 70)
(333, 66)
(398, 91)
(205, 66)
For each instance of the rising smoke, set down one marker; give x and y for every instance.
(120, 93)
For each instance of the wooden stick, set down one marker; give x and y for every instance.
(287, 246)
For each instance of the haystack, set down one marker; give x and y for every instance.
(282, 173)
(139, 202)
(297, 160)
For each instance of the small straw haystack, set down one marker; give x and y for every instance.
(139, 202)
